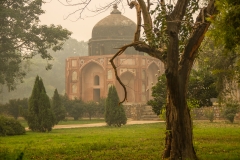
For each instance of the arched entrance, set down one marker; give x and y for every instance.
(128, 79)
(152, 77)
(92, 82)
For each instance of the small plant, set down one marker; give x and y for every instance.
(231, 110)
(10, 127)
(209, 114)
(163, 114)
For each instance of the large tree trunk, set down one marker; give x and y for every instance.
(179, 138)
(178, 142)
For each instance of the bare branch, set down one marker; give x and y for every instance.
(147, 20)
(158, 53)
(84, 6)
(121, 50)
(139, 20)
(140, 46)
(179, 10)
(148, 5)
(198, 33)
(163, 5)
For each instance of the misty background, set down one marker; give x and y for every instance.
(57, 14)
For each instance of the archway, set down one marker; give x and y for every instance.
(92, 81)
(96, 80)
(128, 80)
(152, 78)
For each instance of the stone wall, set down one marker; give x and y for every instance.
(200, 113)
(134, 111)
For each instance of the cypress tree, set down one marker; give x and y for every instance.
(114, 113)
(57, 107)
(40, 117)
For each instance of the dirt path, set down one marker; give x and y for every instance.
(100, 124)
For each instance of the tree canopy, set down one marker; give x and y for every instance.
(226, 28)
(71, 48)
(22, 37)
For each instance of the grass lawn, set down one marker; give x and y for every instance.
(212, 141)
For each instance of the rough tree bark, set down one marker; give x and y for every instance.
(179, 136)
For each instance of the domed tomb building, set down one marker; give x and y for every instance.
(89, 77)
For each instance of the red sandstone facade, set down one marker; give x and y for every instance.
(89, 77)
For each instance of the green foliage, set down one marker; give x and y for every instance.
(35, 65)
(22, 37)
(226, 28)
(16, 107)
(91, 108)
(75, 108)
(201, 89)
(209, 114)
(159, 94)
(10, 127)
(160, 38)
(57, 107)
(202, 86)
(101, 107)
(114, 112)
(5, 154)
(222, 64)
(2, 109)
(232, 107)
(163, 114)
(40, 116)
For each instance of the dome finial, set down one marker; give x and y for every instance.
(115, 6)
(115, 10)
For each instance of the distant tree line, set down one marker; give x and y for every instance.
(42, 113)
(71, 48)
(68, 108)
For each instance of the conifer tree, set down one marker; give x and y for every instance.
(40, 117)
(114, 113)
(57, 107)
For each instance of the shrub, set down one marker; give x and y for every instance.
(40, 116)
(58, 109)
(114, 113)
(10, 126)
(230, 110)
(91, 109)
(163, 114)
(209, 114)
(75, 108)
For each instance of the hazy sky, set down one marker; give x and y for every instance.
(55, 13)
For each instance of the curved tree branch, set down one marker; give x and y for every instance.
(139, 20)
(121, 50)
(147, 20)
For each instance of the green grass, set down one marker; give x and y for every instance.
(217, 140)
(132, 142)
